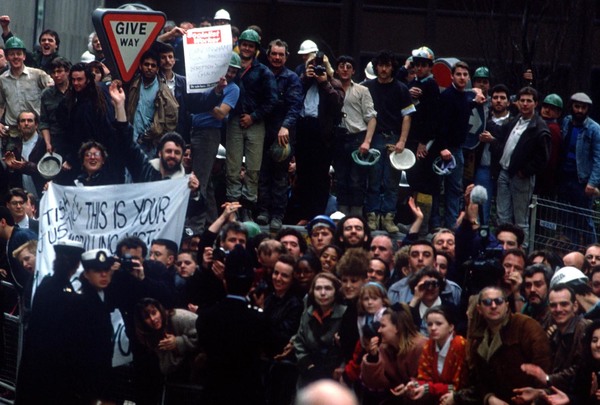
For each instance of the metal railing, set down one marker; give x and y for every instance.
(561, 227)
(13, 346)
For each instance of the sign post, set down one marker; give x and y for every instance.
(125, 35)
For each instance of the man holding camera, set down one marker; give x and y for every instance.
(320, 114)
(211, 277)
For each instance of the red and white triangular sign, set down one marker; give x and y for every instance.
(128, 35)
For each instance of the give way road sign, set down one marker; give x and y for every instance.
(125, 35)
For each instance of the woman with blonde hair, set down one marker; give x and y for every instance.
(392, 358)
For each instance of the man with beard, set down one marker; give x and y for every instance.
(566, 341)
(580, 167)
(352, 232)
(537, 281)
(170, 149)
(151, 106)
(487, 154)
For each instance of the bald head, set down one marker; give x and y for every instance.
(574, 259)
(325, 392)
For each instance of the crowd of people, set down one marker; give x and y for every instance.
(442, 311)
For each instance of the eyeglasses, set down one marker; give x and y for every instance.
(429, 285)
(16, 203)
(93, 154)
(489, 301)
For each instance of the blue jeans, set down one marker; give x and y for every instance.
(205, 145)
(483, 177)
(512, 201)
(242, 142)
(384, 180)
(351, 178)
(453, 189)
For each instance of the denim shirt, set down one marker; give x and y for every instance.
(289, 100)
(587, 150)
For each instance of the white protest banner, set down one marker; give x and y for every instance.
(100, 216)
(207, 52)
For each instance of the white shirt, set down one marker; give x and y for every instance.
(512, 141)
(443, 353)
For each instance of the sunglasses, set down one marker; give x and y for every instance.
(488, 301)
(429, 285)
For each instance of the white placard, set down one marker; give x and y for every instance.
(207, 53)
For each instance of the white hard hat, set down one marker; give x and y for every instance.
(221, 152)
(369, 72)
(222, 14)
(404, 160)
(568, 275)
(307, 47)
(49, 165)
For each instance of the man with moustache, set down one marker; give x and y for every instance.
(352, 232)
(537, 282)
(565, 342)
(487, 153)
(580, 168)
(498, 347)
(151, 107)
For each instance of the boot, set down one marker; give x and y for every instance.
(373, 221)
(387, 222)
(356, 210)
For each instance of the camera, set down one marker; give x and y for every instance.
(486, 269)
(220, 254)
(261, 288)
(370, 330)
(318, 67)
(127, 262)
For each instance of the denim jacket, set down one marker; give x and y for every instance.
(587, 150)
